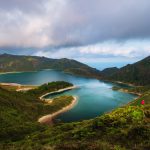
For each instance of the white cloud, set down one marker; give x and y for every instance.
(26, 32)
(102, 52)
(131, 48)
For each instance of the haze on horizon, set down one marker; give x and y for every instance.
(93, 32)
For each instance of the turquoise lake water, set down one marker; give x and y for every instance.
(94, 97)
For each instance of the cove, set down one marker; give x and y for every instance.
(94, 97)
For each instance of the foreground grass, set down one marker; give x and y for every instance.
(145, 97)
(123, 129)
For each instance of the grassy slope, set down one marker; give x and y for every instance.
(137, 73)
(19, 111)
(124, 128)
(145, 97)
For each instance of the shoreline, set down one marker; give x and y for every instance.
(119, 82)
(1, 73)
(134, 93)
(16, 84)
(10, 84)
(130, 103)
(18, 87)
(105, 80)
(48, 119)
(56, 92)
(125, 83)
(11, 72)
(126, 91)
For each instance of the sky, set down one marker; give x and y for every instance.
(91, 31)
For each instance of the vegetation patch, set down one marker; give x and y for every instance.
(124, 128)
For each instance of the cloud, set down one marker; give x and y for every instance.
(86, 30)
(103, 51)
(131, 48)
(40, 23)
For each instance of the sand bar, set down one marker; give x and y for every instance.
(58, 91)
(48, 119)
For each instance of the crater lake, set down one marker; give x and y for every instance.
(95, 97)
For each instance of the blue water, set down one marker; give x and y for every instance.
(94, 97)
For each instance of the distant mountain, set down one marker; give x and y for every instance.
(137, 73)
(11, 63)
(109, 71)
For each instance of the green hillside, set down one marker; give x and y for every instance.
(11, 63)
(109, 71)
(137, 73)
(122, 129)
(19, 111)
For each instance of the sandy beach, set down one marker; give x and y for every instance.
(25, 89)
(58, 91)
(48, 119)
(10, 84)
(18, 87)
(1, 73)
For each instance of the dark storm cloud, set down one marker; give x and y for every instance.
(100, 20)
(60, 22)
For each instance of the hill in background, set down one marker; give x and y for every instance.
(137, 73)
(12, 63)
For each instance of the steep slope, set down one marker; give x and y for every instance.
(19, 111)
(9, 63)
(124, 128)
(109, 71)
(137, 73)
